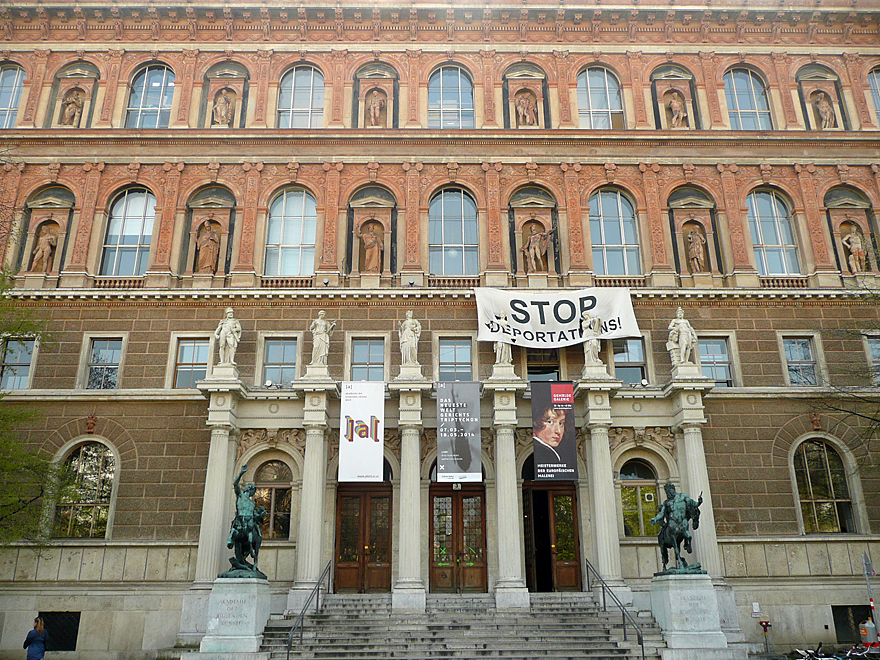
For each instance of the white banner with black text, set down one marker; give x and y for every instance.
(362, 431)
(553, 320)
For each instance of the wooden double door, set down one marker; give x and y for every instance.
(458, 538)
(553, 561)
(363, 538)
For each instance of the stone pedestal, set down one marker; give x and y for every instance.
(686, 608)
(238, 610)
(503, 372)
(595, 372)
(224, 371)
(317, 372)
(410, 373)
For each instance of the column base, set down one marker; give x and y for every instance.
(512, 596)
(409, 596)
(238, 610)
(297, 597)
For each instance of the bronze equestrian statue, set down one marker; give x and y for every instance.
(674, 515)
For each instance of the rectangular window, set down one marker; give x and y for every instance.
(542, 364)
(192, 362)
(455, 359)
(279, 367)
(16, 366)
(874, 357)
(368, 359)
(715, 360)
(800, 361)
(104, 364)
(630, 365)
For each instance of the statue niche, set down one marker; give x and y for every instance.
(208, 247)
(223, 109)
(526, 105)
(675, 106)
(536, 240)
(72, 108)
(376, 109)
(45, 246)
(372, 236)
(855, 247)
(695, 245)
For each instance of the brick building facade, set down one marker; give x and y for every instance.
(165, 164)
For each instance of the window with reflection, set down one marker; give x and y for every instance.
(83, 507)
(273, 481)
(715, 360)
(149, 104)
(368, 359)
(599, 101)
(290, 236)
(450, 99)
(824, 496)
(15, 366)
(638, 493)
(454, 359)
(748, 106)
(772, 231)
(11, 84)
(301, 98)
(103, 368)
(453, 248)
(614, 234)
(279, 365)
(129, 234)
(630, 364)
(874, 84)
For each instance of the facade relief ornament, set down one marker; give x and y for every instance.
(249, 438)
(640, 437)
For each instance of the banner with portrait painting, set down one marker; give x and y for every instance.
(553, 431)
(362, 431)
(458, 432)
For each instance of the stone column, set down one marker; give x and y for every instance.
(706, 540)
(510, 589)
(408, 593)
(212, 528)
(310, 539)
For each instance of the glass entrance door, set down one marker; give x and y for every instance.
(458, 539)
(363, 539)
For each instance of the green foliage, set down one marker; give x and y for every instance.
(28, 477)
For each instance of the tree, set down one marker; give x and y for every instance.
(28, 478)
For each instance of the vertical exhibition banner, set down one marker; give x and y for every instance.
(553, 431)
(458, 432)
(362, 431)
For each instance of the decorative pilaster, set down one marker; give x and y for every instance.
(495, 228)
(243, 272)
(636, 66)
(565, 119)
(854, 69)
(162, 256)
(708, 61)
(781, 62)
(413, 203)
(409, 593)
(744, 273)
(264, 63)
(510, 589)
(819, 241)
(28, 119)
(412, 87)
(190, 57)
(662, 270)
(339, 57)
(331, 216)
(76, 268)
(487, 60)
(577, 250)
(9, 185)
(110, 88)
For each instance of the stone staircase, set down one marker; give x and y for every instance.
(562, 626)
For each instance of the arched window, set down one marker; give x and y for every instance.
(874, 84)
(773, 239)
(11, 82)
(747, 103)
(822, 490)
(149, 105)
(452, 234)
(129, 232)
(638, 494)
(301, 98)
(599, 101)
(450, 99)
(83, 507)
(272, 480)
(290, 239)
(614, 234)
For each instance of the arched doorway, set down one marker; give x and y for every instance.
(553, 559)
(363, 536)
(458, 536)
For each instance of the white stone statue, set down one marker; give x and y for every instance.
(682, 339)
(321, 331)
(856, 246)
(228, 334)
(825, 110)
(696, 242)
(502, 349)
(44, 251)
(591, 328)
(678, 110)
(409, 332)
